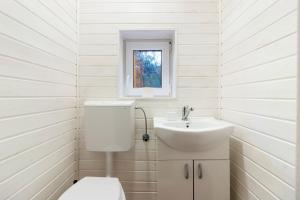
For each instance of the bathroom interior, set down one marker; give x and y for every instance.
(149, 100)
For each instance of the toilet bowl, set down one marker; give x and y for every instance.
(95, 188)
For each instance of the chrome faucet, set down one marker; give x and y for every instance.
(186, 110)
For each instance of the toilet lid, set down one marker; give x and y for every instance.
(95, 188)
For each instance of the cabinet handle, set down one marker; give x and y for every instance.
(186, 171)
(200, 175)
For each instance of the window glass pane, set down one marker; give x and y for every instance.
(147, 68)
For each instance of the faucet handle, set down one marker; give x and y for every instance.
(186, 108)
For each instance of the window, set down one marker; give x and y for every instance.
(147, 68)
(147, 63)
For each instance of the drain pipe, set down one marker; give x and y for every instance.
(108, 163)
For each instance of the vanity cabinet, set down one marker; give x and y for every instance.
(211, 180)
(193, 161)
(193, 180)
(175, 180)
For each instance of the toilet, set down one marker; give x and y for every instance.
(95, 188)
(102, 135)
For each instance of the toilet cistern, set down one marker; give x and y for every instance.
(109, 126)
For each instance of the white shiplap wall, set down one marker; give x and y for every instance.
(258, 84)
(197, 77)
(37, 97)
(298, 114)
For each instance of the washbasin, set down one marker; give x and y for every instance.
(197, 134)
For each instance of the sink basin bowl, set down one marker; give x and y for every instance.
(198, 135)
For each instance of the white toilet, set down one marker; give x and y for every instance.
(95, 188)
(109, 127)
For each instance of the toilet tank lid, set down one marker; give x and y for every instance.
(95, 188)
(109, 103)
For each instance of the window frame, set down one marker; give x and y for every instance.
(164, 46)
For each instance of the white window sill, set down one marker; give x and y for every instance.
(146, 98)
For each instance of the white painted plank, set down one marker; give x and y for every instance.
(197, 28)
(10, 107)
(273, 127)
(148, 7)
(10, 67)
(10, 87)
(17, 50)
(109, 18)
(10, 186)
(27, 18)
(25, 159)
(32, 122)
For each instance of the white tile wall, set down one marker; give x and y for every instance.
(197, 76)
(37, 97)
(258, 80)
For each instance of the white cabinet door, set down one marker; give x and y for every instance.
(211, 180)
(175, 180)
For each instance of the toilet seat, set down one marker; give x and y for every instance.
(95, 188)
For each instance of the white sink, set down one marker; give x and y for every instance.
(199, 135)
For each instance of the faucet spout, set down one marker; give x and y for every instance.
(186, 112)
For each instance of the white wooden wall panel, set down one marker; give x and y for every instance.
(197, 74)
(258, 95)
(38, 89)
(38, 58)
